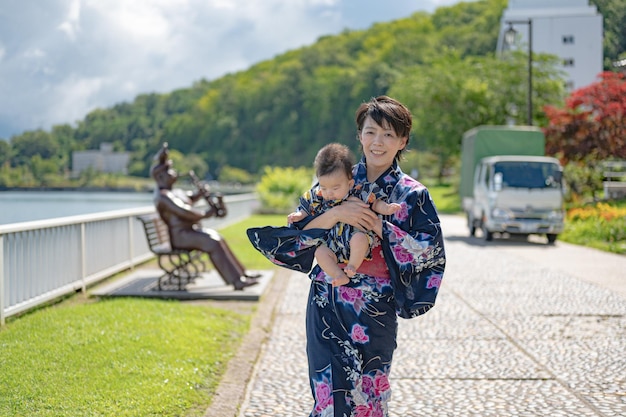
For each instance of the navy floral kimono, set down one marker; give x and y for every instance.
(351, 329)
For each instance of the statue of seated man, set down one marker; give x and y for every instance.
(176, 208)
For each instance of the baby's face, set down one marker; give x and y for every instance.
(335, 186)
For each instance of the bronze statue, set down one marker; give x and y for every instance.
(176, 208)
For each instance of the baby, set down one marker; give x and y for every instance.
(333, 168)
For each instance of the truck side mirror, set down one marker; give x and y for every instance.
(497, 181)
(558, 176)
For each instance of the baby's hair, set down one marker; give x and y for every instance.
(333, 157)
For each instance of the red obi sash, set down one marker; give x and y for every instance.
(377, 267)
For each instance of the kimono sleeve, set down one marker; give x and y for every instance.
(287, 247)
(414, 250)
(291, 247)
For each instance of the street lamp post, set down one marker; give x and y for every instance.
(509, 38)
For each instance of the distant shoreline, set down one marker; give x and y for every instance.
(79, 189)
(223, 189)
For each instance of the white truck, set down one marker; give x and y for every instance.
(508, 185)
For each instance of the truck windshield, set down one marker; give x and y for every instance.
(519, 174)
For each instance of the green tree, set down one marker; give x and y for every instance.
(614, 19)
(29, 144)
(454, 94)
(43, 170)
(5, 152)
(470, 28)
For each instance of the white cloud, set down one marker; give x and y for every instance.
(72, 24)
(75, 94)
(63, 58)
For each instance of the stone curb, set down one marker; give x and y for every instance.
(231, 392)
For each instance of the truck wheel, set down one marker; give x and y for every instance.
(471, 225)
(551, 238)
(487, 234)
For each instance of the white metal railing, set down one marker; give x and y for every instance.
(46, 259)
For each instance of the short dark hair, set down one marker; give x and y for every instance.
(385, 110)
(333, 157)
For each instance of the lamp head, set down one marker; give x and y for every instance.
(510, 35)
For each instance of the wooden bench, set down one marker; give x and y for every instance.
(179, 266)
(614, 179)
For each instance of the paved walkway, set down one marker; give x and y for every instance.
(519, 329)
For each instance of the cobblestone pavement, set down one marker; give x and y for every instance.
(512, 334)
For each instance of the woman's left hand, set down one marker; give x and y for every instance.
(363, 217)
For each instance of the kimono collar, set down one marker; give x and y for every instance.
(391, 175)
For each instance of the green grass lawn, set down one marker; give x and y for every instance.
(446, 198)
(123, 356)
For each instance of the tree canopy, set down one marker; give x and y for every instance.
(590, 126)
(279, 112)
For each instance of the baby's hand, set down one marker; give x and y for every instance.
(393, 207)
(386, 209)
(296, 216)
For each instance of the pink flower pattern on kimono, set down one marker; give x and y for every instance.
(372, 395)
(381, 384)
(354, 296)
(434, 281)
(367, 384)
(363, 411)
(358, 334)
(323, 395)
(402, 255)
(403, 213)
(369, 410)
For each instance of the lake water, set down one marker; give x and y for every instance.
(25, 206)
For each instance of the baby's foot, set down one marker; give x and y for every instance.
(342, 280)
(350, 270)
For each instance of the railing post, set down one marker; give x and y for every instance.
(131, 240)
(83, 258)
(2, 280)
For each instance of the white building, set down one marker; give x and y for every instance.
(102, 160)
(570, 29)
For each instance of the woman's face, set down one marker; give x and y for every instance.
(380, 146)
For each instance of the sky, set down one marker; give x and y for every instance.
(61, 59)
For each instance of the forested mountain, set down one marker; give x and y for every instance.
(281, 111)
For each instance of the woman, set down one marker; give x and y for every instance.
(351, 329)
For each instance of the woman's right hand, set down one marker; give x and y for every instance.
(356, 213)
(353, 211)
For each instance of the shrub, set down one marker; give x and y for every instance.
(280, 188)
(583, 180)
(601, 225)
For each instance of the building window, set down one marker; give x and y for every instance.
(569, 85)
(568, 39)
(568, 62)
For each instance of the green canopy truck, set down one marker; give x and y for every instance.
(508, 185)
